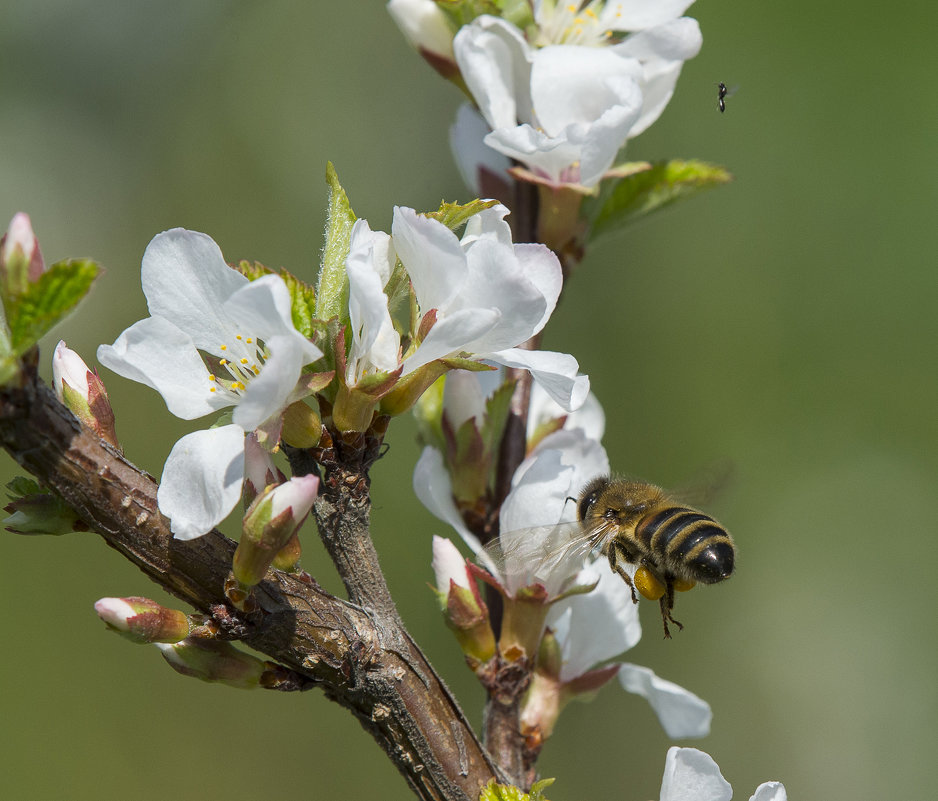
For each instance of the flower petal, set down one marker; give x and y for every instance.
(156, 353)
(375, 343)
(472, 156)
(571, 84)
(680, 712)
(264, 308)
(433, 488)
(590, 417)
(432, 256)
(186, 280)
(555, 372)
(633, 15)
(600, 624)
(692, 775)
(202, 480)
(770, 791)
(494, 60)
(452, 334)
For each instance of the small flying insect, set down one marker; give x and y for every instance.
(673, 546)
(722, 91)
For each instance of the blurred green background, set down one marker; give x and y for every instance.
(786, 322)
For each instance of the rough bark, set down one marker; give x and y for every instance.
(358, 653)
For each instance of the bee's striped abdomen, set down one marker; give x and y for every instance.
(686, 537)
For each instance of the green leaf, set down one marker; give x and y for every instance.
(37, 511)
(453, 215)
(639, 193)
(21, 486)
(332, 290)
(506, 792)
(32, 313)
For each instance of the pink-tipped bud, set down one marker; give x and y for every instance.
(214, 660)
(142, 620)
(464, 610)
(20, 258)
(269, 524)
(82, 392)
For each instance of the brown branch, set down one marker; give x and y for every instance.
(361, 658)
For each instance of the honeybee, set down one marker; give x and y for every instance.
(673, 546)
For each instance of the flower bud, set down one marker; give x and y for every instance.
(141, 620)
(270, 522)
(20, 258)
(302, 426)
(82, 392)
(214, 660)
(464, 610)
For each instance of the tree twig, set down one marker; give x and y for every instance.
(360, 657)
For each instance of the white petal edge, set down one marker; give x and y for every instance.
(156, 353)
(202, 480)
(770, 791)
(435, 491)
(601, 625)
(186, 280)
(555, 372)
(680, 712)
(692, 775)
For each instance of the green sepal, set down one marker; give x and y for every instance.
(462, 12)
(302, 303)
(402, 303)
(517, 12)
(454, 215)
(332, 292)
(409, 389)
(638, 192)
(325, 335)
(252, 270)
(302, 295)
(32, 312)
(507, 792)
(497, 408)
(428, 412)
(469, 463)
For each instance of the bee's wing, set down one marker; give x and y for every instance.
(542, 554)
(713, 480)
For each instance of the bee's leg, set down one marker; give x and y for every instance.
(667, 604)
(613, 555)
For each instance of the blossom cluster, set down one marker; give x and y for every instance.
(569, 612)
(216, 340)
(560, 90)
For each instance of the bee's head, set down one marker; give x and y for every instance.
(589, 495)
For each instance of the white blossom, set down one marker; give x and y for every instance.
(692, 775)
(487, 296)
(204, 313)
(565, 103)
